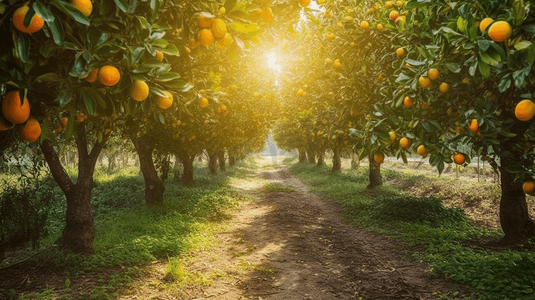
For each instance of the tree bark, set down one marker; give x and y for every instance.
(231, 161)
(187, 174)
(311, 156)
(355, 163)
(321, 162)
(79, 232)
(176, 169)
(337, 162)
(375, 174)
(166, 162)
(221, 160)
(212, 162)
(302, 156)
(154, 187)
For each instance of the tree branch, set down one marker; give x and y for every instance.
(54, 164)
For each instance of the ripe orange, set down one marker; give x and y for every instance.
(422, 151)
(394, 15)
(13, 111)
(31, 131)
(337, 63)
(400, 52)
(380, 27)
(63, 121)
(525, 110)
(330, 36)
(206, 37)
(328, 61)
(364, 25)
(219, 28)
(159, 55)
(300, 92)
(18, 20)
(444, 87)
(139, 90)
(401, 20)
(378, 158)
(408, 102)
(109, 75)
(529, 187)
(203, 102)
(474, 127)
(389, 4)
(222, 109)
(267, 15)
(80, 117)
(424, 82)
(165, 102)
(205, 22)
(92, 76)
(500, 31)
(433, 74)
(485, 23)
(404, 143)
(305, 3)
(84, 6)
(459, 158)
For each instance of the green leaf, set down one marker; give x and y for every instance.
(157, 92)
(43, 12)
(229, 5)
(56, 27)
(90, 103)
(522, 45)
(23, 47)
(29, 16)
(505, 84)
(453, 67)
(69, 129)
(44, 130)
(47, 77)
(484, 69)
(64, 96)
(96, 96)
(514, 168)
(121, 4)
(161, 118)
(71, 11)
(519, 12)
(171, 49)
(414, 62)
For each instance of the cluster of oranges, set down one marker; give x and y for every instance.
(210, 30)
(17, 113)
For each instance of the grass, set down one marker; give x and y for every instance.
(448, 238)
(129, 235)
(276, 188)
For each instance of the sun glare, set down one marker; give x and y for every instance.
(273, 62)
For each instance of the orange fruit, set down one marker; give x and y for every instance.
(205, 22)
(422, 151)
(389, 4)
(485, 23)
(13, 111)
(392, 136)
(424, 82)
(139, 90)
(165, 102)
(378, 158)
(458, 129)
(92, 76)
(466, 80)
(330, 36)
(529, 187)
(109, 75)
(80, 117)
(433, 74)
(408, 102)
(203, 102)
(425, 105)
(500, 31)
(474, 127)
(305, 3)
(459, 158)
(267, 15)
(380, 27)
(401, 20)
(226, 41)
(300, 92)
(219, 28)
(222, 109)
(84, 6)
(444, 87)
(337, 63)
(63, 121)
(159, 55)
(4, 125)
(206, 37)
(404, 143)
(222, 10)
(31, 131)
(400, 52)
(394, 15)
(18, 20)
(364, 25)
(525, 110)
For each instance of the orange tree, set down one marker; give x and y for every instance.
(82, 69)
(455, 82)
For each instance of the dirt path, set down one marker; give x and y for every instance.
(295, 246)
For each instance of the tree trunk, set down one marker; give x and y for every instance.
(337, 162)
(154, 187)
(79, 232)
(321, 162)
(355, 163)
(212, 162)
(231, 161)
(375, 174)
(302, 156)
(221, 160)
(187, 174)
(176, 169)
(311, 156)
(165, 168)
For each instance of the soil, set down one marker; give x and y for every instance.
(295, 245)
(281, 245)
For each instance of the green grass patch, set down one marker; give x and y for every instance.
(277, 188)
(444, 234)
